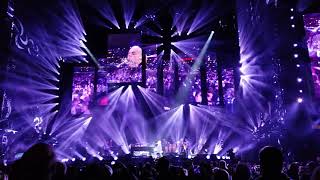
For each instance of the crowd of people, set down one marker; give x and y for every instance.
(40, 163)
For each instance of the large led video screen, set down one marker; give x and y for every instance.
(151, 67)
(189, 78)
(168, 79)
(312, 27)
(212, 79)
(123, 60)
(82, 90)
(228, 86)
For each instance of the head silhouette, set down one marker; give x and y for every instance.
(242, 172)
(271, 161)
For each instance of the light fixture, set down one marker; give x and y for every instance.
(208, 156)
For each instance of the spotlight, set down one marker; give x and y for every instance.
(73, 159)
(300, 91)
(218, 157)
(227, 157)
(299, 80)
(291, 9)
(298, 65)
(293, 26)
(296, 55)
(166, 108)
(223, 157)
(291, 17)
(100, 158)
(113, 163)
(115, 158)
(189, 156)
(212, 32)
(299, 100)
(84, 159)
(208, 156)
(295, 45)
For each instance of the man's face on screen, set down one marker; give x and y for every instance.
(135, 56)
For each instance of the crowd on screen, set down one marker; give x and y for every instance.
(83, 87)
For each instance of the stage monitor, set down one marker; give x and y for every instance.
(123, 60)
(312, 27)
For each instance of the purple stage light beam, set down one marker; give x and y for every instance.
(183, 90)
(180, 17)
(190, 46)
(129, 7)
(106, 11)
(154, 100)
(203, 17)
